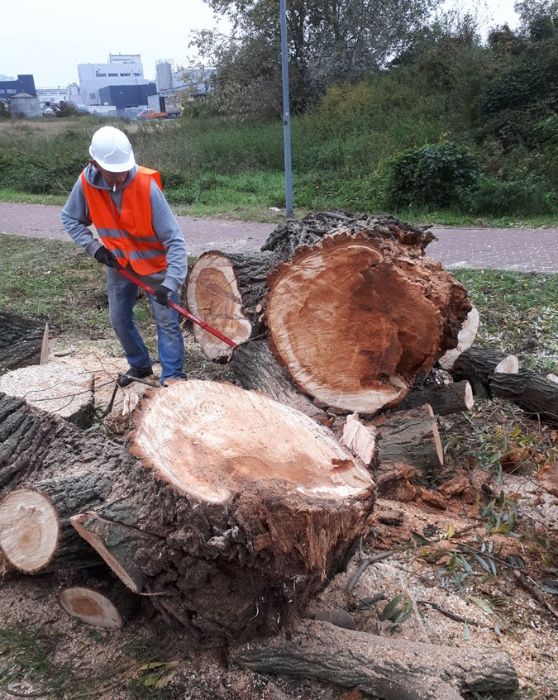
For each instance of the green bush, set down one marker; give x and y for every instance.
(433, 176)
(530, 196)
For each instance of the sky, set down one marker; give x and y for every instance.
(49, 38)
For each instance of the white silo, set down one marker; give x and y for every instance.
(163, 75)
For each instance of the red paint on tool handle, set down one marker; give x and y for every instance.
(181, 310)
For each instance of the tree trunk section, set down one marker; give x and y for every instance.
(20, 341)
(444, 398)
(235, 511)
(534, 393)
(353, 314)
(392, 669)
(226, 291)
(410, 438)
(99, 602)
(55, 388)
(478, 365)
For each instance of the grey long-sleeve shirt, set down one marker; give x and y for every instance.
(76, 220)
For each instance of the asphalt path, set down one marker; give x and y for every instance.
(521, 249)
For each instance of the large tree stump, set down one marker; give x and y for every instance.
(235, 513)
(20, 341)
(392, 669)
(353, 317)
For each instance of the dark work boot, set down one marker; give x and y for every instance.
(133, 373)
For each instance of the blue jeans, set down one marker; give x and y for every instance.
(122, 297)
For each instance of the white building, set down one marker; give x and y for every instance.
(51, 96)
(122, 69)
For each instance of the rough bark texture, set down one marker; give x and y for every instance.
(286, 238)
(20, 341)
(478, 365)
(255, 367)
(534, 393)
(392, 669)
(410, 438)
(228, 554)
(444, 398)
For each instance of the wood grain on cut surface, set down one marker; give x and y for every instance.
(212, 438)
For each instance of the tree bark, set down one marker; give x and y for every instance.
(353, 316)
(444, 398)
(393, 669)
(534, 393)
(410, 438)
(235, 512)
(477, 365)
(20, 341)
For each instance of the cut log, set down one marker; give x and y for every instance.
(534, 393)
(353, 318)
(237, 511)
(444, 398)
(99, 603)
(57, 388)
(37, 533)
(465, 339)
(29, 530)
(392, 669)
(477, 365)
(20, 341)
(360, 439)
(410, 438)
(226, 291)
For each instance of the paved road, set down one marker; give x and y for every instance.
(523, 249)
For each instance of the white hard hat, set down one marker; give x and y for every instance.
(112, 150)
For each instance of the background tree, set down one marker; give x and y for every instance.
(329, 42)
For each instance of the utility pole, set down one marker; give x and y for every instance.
(286, 111)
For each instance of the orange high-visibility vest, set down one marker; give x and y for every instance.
(128, 234)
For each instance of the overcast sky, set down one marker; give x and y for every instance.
(49, 39)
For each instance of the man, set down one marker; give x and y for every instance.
(138, 232)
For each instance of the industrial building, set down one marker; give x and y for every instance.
(121, 70)
(122, 96)
(175, 84)
(12, 86)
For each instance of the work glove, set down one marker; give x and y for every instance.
(162, 294)
(105, 257)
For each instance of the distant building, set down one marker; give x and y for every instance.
(52, 96)
(122, 69)
(23, 83)
(122, 96)
(22, 104)
(175, 84)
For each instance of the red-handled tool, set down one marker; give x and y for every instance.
(181, 310)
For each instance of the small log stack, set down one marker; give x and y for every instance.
(227, 531)
(346, 311)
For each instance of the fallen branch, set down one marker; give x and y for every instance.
(393, 669)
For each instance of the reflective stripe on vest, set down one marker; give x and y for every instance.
(128, 233)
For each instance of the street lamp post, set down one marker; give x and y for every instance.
(286, 111)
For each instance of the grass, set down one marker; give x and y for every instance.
(518, 314)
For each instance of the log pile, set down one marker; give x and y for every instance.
(345, 311)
